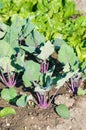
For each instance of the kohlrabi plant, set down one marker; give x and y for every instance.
(27, 52)
(8, 78)
(75, 82)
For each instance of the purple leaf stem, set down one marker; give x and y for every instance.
(44, 67)
(10, 82)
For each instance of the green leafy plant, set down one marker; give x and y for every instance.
(29, 54)
(22, 101)
(8, 93)
(62, 111)
(6, 112)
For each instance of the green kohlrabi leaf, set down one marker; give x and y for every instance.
(38, 37)
(5, 49)
(12, 35)
(22, 101)
(62, 80)
(34, 39)
(6, 112)
(3, 29)
(26, 29)
(19, 63)
(46, 50)
(32, 72)
(30, 49)
(67, 55)
(58, 43)
(8, 94)
(62, 111)
(5, 55)
(6, 62)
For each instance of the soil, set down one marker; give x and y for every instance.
(81, 5)
(34, 118)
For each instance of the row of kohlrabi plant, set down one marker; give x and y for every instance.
(42, 65)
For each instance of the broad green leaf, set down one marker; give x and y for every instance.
(58, 43)
(30, 40)
(27, 28)
(6, 62)
(27, 78)
(30, 49)
(67, 55)
(62, 80)
(5, 49)
(6, 112)
(8, 94)
(13, 33)
(22, 101)
(46, 50)
(81, 91)
(62, 111)
(19, 63)
(38, 37)
(32, 73)
(34, 38)
(3, 29)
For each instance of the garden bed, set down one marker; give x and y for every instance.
(37, 74)
(46, 119)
